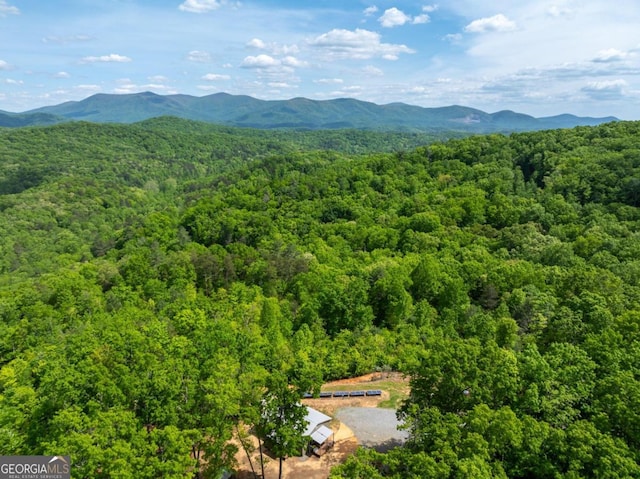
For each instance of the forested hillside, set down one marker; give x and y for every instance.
(292, 114)
(162, 284)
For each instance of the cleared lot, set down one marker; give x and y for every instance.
(374, 427)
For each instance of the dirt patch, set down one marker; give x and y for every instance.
(329, 406)
(310, 467)
(319, 467)
(394, 387)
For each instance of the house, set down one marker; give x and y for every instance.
(321, 436)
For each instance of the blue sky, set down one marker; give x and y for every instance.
(541, 57)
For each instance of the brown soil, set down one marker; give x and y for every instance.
(302, 467)
(330, 405)
(368, 381)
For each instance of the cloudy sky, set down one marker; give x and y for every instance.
(541, 57)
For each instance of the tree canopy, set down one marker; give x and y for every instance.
(162, 284)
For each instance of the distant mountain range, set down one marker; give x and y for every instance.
(297, 113)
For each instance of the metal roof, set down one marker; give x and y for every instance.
(313, 419)
(321, 435)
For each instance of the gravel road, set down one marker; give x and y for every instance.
(374, 427)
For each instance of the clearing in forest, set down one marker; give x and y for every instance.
(394, 389)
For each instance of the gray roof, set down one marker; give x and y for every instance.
(313, 419)
(321, 434)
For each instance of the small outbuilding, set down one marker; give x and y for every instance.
(321, 436)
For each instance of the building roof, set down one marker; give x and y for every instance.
(321, 434)
(313, 419)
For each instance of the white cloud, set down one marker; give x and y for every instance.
(125, 85)
(556, 45)
(420, 90)
(276, 84)
(330, 81)
(6, 9)
(257, 43)
(496, 23)
(293, 62)
(88, 87)
(215, 77)
(610, 55)
(352, 89)
(273, 48)
(559, 9)
(63, 40)
(285, 49)
(62, 75)
(370, 10)
(126, 89)
(579, 71)
(453, 37)
(260, 61)
(208, 87)
(158, 79)
(199, 56)
(393, 17)
(112, 58)
(200, 6)
(10, 81)
(430, 8)
(370, 70)
(4, 65)
(272, 70)
(358, 44)
(606, 89)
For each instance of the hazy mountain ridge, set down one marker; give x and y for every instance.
(17, 120)
(298, 113)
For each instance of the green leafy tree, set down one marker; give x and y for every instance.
(282, 422)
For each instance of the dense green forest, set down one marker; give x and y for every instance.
(166, 284)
